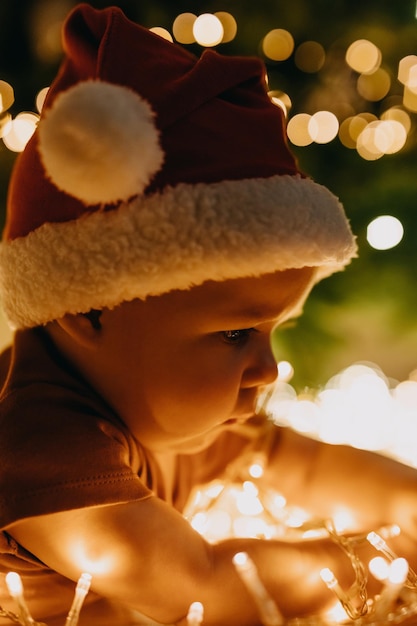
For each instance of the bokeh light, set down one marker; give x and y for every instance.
(359, 406)
(229, 25)
(410, 99)
(281, 99)
(363, 56)
(407, 68)
(6, 95)
(350, 129)
(285, 371)
(278, 44)
(208, 30)
(323, 126)
(310, 56)
(398, 114)
(162, 32)
(381, 137)
(298, 130)
(5, 124)
(40, 98)
(374, 86)
(384, 232)
(20, 130)
(182, 28)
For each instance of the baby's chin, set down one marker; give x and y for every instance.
(200, 442)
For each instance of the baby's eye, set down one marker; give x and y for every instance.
(236, 336)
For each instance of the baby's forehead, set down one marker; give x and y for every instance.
(248, 298)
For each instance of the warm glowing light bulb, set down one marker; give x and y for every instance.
(256, 470)
(398, 571)
(14, 584)
(195, 614)
(285, 371)
(248, 503)
(240, 558)
(15, 588)
(343, 520)
(378, 566)
(328, 577)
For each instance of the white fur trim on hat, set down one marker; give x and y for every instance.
(98, 142)
(173, 240)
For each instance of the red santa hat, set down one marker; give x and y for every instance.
(153, 170)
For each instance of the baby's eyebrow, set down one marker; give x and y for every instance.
(257, 315)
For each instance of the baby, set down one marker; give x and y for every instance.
(158, 230)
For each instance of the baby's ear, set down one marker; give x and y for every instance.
(83, 328)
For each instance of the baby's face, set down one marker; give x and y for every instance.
(188, 364)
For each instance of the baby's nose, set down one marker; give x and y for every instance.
(263, 370)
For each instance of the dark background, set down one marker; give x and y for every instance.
(368, 312)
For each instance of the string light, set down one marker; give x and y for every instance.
(269, 613)
(15, 588)
(358, 406)
(393, 585)
(332, 583)
(23, 617)
(195, 614)
(81, 591)
(354, 604)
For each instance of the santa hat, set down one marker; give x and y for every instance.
(153, 170)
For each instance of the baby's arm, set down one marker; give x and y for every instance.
(327, 480)
(146, 555)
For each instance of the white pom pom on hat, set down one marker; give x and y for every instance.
(99, 143)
